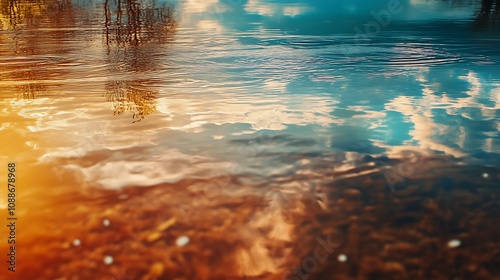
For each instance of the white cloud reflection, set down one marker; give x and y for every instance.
(435, 136)
(198, 6)
(265, 8)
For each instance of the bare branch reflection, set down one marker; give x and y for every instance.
(19, 12)
(18, 19)
(126, 97)
(137, 21)
(31, 91)
(134, 32)
(489, 13)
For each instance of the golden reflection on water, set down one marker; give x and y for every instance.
(132, 33)
(14, 18)
(127, 98)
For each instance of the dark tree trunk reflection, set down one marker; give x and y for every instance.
(19, 18)
(488, 14)
(133, 22)
(134, 32)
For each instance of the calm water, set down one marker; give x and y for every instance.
(261, 99)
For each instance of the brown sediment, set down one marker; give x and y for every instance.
(404, 234)
(384, 234)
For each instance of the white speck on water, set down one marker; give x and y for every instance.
(76, 242)
(485, 175)
(108, 260)
(454, 243)
(106, 222)
(182, 241)
(342, 258)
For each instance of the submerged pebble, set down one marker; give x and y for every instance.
(182, 241)
(394, 267)
(153, 237)
(108, 260)
(342, 258)
(157, 269)
(106, 222)
(454, 243)
(353, 193)
(76, 242)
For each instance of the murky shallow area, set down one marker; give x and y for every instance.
(252, 139)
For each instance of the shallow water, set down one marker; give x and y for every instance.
(254, 112)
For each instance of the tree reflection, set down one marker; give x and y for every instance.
(488, 14)
(17, 12)
(135, 21)
(31, 90)
(126, 97)
(18, 19)
(134, 33)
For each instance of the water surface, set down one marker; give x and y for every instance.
(256, 118)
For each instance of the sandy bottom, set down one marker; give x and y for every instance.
(439, 221)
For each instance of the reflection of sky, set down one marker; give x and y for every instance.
(328, 12)
(434, 109)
